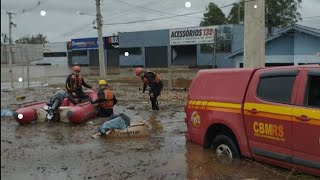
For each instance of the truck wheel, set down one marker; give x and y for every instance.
(225, 148)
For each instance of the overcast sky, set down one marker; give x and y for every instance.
(62, 23)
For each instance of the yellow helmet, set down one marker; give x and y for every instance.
(102, 82)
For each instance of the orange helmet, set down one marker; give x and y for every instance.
(76, 68)
(138, 71)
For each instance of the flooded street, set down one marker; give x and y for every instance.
(65, 151)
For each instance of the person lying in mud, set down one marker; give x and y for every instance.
(120, 121)
(55, 102)
(106, 100)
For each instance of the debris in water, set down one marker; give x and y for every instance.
(6, 112)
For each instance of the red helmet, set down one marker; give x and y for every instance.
(76, 68)
(138, 71)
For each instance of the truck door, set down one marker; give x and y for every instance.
(268, 111)
(306, 120)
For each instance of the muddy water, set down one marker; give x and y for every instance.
(65, 151)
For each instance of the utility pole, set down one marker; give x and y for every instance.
(100, 41)
(10, 48)
(215, 41)
(254, 34)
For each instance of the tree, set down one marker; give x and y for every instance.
(214, 16)
(283, 12)
(280, 13)
(34, 39)
(233, 15)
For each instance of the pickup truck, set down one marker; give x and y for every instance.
(270, 115)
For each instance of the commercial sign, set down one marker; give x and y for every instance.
(84, 43)
(111, 42)
(196, 35)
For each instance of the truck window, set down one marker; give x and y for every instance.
(276, 88)
(312, 95)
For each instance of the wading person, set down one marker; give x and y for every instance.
(152, 80)
(106, 99)
(74, 84)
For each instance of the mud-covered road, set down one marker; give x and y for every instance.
(65, 151)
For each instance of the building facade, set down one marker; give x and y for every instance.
(194, 47)
(184, 46)
(294, 45)
(85, 51)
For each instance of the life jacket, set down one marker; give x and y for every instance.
(108, 95)
(156, 80)
(76, 82)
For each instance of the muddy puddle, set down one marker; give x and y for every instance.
(66, 151)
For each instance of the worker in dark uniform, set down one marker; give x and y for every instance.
(152, 80)
(55, 102)
(106, 100)
(74, 84)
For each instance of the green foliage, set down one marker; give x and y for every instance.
(34, 39)
(214, 16)
(281, 12)
(233, 15)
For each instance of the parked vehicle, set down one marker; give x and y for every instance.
(266, 114)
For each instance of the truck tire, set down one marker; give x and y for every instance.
(225, 148)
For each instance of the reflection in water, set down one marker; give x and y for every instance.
(155, 125)
(202, 164)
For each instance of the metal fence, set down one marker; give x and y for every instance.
(21, 53)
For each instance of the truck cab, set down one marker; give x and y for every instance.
(266, 114)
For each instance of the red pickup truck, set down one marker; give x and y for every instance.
(267, 114)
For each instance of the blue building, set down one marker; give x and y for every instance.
(294, 45)
(84, 51)
(169, 47)
(194, 47)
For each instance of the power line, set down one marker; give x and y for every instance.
(76, 30)
(150, 10)
(126, 11)
(39, 3)
(168, 17)
(310, 17)
(154, 19)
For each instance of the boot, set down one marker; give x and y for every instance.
(156, 107)
(50, 115)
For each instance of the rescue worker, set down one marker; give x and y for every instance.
(75, 82)
(55, 102)
(154, 82)
(106, 99)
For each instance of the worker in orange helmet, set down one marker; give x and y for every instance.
(75, 82)
(153, 80)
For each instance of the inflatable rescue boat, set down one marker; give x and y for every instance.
(68, 112)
